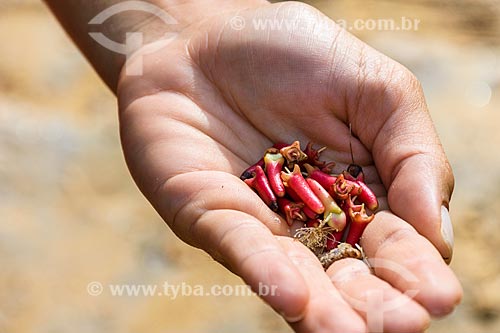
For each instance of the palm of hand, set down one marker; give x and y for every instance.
(208, 106)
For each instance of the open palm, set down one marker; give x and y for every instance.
(215, 98)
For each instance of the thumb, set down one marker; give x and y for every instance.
(413, 166)
(420, 194)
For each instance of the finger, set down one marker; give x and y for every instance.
(411, 264)
(326, 311)
(250, 250)
(220, 214)
(420, 194)
(187, 196)
(384, 308)
(407, 152)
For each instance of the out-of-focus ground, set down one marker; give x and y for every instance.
(70, 214)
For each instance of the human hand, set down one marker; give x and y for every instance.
(209, 104)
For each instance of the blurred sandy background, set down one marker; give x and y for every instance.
(70, 214)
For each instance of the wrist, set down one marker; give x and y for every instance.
(180, 16)
(121, 32)
(189, 12)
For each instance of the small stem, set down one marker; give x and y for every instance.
(350, 142)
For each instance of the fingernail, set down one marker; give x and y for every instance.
(447, 232)
(292, 319)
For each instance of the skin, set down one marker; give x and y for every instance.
(210, 103)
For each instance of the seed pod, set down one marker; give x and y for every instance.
(292, 211)
(250, 171)
(334, 239)
(334, 216)
(313, 223)
(292, 194)
(261, 185)
(367, 197)
(293, 154)
(309, 213)
(313, 155)
(274, 164)
(354, 172)
(338, 236)
(328, 167)
(358, 222)
(331, 243)
(324, 179)
(328, 182)
(298, 184)
(342, 189)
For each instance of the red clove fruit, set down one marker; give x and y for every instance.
(359, 219)
(250, 171)
(273, 166)
(309, 213)
(328, 182)
(367, 197)
(342, 189)
(334, 216)
(261, 185)
(293, 153)
(298, 184)
(354, 172)
(291, 210)
(313, 223)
